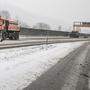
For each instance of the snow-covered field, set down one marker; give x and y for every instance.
(20, 66)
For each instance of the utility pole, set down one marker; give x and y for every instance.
(47, 33)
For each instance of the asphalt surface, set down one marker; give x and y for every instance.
(70, 73)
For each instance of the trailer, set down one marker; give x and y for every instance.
(74, 34)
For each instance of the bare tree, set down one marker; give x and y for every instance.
(5, 14)
(23, 24)
(59, 28)
(42, 26)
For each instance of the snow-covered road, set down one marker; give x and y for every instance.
(20, 66)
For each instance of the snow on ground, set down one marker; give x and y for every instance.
(20, 66)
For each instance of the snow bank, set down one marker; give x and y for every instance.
(20, 66)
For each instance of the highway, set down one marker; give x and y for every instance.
(70, 73)
(31, 41)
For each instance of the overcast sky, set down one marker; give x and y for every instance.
(66, 10)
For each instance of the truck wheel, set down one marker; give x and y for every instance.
(3, 36)
(10, 38)
(16, 35)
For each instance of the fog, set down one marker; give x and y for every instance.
(53, 12)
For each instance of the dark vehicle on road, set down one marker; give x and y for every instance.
(74, 34)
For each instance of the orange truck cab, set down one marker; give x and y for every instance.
(9, 29)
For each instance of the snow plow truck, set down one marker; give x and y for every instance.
(9, 29)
